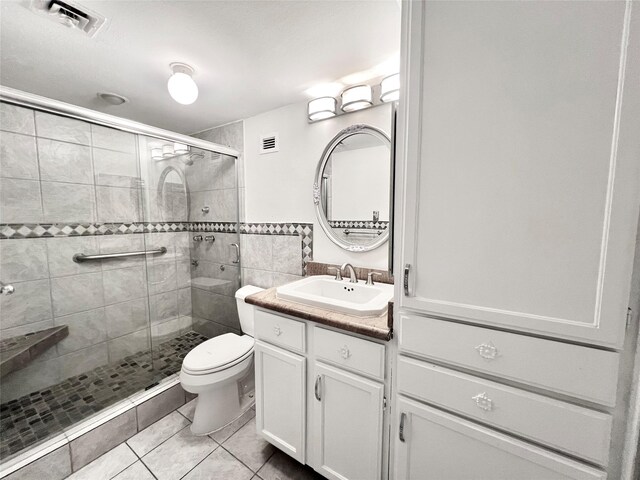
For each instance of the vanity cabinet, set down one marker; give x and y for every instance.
(519, 180)
(321, 396)
(516, 213)
(435, 445)
(281, 398)
(347, 424)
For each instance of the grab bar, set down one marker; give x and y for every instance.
(346, 231)
(81, 257)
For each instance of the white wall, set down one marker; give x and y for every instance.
(279, 185)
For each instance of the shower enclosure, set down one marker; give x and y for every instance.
(118, 254)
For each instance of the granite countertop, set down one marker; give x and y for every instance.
(380, 327)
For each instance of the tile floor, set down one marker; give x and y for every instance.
(166, 450)
(39, 415)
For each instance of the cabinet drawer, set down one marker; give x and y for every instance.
(579, 431)
(280, 330)
(573, 370)
(349, 352)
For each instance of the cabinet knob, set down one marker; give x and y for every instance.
(344, 352)
(483, 401)
(277, 330)
(488, 351)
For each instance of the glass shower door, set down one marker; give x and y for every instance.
(190, 208)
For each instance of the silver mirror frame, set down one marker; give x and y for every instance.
(317, 193)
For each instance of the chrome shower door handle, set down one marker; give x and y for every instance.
(6, 289)
(237, 249)
(317, 388)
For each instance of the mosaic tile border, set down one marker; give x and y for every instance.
(358, 224)
(48, 230)
(15, 231)
(304, 230)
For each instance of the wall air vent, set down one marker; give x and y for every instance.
(269, 143)
(70, 15)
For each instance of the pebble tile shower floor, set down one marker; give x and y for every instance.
(39, 415)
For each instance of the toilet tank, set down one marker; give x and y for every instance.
(246, 310)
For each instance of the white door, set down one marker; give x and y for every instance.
(347, 425)
(435, 445)
(520, 190)
(281, 398)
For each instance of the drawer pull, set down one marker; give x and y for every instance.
(483, 401)
(344, 352)
(403, 416)
(317, 388)
(277, 330)
(488, 351)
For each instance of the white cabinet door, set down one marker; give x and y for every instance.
(281, 398)
(347, 425)
(519, 178)
(438, 446)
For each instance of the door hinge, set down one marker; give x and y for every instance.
(629, 316)
(384, 403)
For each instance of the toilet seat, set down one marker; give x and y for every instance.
(218, 353)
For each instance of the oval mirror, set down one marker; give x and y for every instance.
(173, 199)
(352, 188)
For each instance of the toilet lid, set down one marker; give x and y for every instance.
(218, 352)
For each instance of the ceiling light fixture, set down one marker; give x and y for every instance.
(390, 88)
(356, 98)
(181, 86)
(321, 108)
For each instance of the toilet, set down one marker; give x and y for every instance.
(220, 372)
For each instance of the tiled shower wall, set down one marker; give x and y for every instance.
(79, 176)
(272, 254)
(213, 182)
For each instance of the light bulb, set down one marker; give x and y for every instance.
(321, 108)
(356, 98)
(181, 86)
(180, 148)
(390, 88)
(167, 151)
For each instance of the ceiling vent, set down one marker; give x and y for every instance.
(269, 143)
(70, 15)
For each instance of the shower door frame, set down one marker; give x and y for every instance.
(39, 103)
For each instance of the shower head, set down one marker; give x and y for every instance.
(188, 161)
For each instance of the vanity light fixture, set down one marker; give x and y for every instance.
(181, 86)
(356, 98)
(180, 148)
(390, 88)
(156, 154)
(167, 151)
(321, 108)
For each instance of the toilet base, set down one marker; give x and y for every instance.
(220, 406)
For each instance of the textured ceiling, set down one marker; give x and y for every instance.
(249, 56)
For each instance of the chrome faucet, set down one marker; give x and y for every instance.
(352, 272)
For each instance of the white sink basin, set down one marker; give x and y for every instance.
(325, 291)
